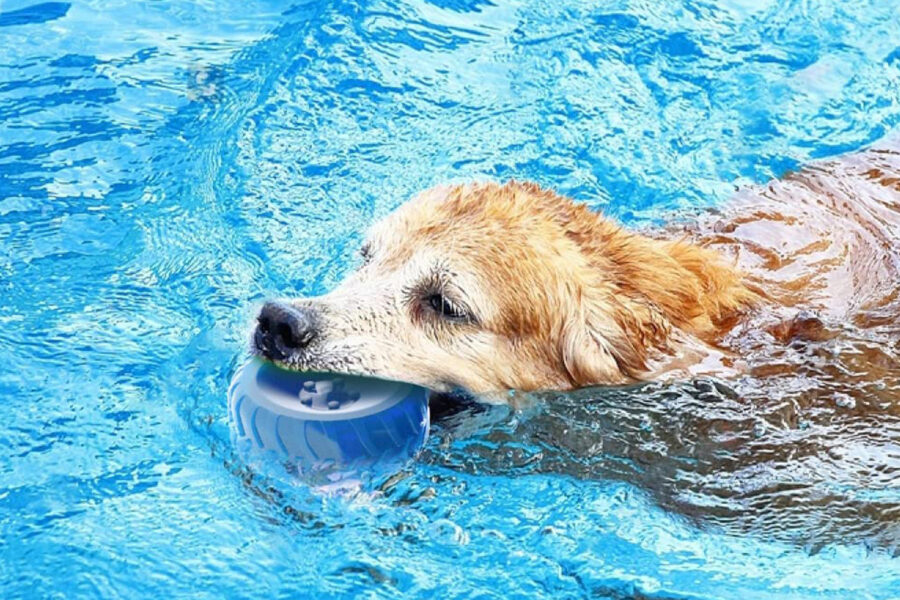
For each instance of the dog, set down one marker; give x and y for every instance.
(490, 287)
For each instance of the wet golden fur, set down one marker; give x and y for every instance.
(556, 296)
(594, 300)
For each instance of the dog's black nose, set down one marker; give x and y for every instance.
(282, 330)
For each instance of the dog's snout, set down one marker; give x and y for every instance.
(283, 329)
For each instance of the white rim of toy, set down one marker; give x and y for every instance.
(376, 395)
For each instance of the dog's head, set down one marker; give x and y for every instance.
(482, 287)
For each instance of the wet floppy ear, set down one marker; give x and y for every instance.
(608, 341)
(587, 347)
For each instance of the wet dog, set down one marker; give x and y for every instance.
(490, 287)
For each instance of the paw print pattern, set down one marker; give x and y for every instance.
(326, 395)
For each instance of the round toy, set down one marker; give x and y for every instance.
(324, 421)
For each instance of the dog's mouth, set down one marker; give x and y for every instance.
(340, 363)
(313, 358)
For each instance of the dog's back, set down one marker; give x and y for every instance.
(824, 239)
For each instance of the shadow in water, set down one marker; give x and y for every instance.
(804, 449)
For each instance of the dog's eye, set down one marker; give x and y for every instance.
(447, 308)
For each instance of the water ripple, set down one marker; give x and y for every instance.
(166, 165)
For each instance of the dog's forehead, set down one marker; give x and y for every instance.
(467, 218)
(504, 246)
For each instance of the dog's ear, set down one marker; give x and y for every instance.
(608, 342)
(587, 355)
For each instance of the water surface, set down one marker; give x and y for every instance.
(166, 165)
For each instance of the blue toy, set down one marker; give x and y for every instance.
(327, 422)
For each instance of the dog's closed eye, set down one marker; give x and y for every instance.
(438, 298)
(447, 308)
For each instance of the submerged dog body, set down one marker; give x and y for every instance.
(493, 287)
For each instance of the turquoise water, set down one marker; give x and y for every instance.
(166, 165)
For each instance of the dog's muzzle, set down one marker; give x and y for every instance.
(283, 330)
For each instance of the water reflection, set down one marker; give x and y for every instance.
(779, 457)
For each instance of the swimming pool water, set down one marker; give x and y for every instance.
(165, 165)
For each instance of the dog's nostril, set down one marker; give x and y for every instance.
(287, 336)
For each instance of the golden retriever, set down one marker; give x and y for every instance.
(492, 288)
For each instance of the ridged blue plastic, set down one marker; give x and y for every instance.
(324, 420)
